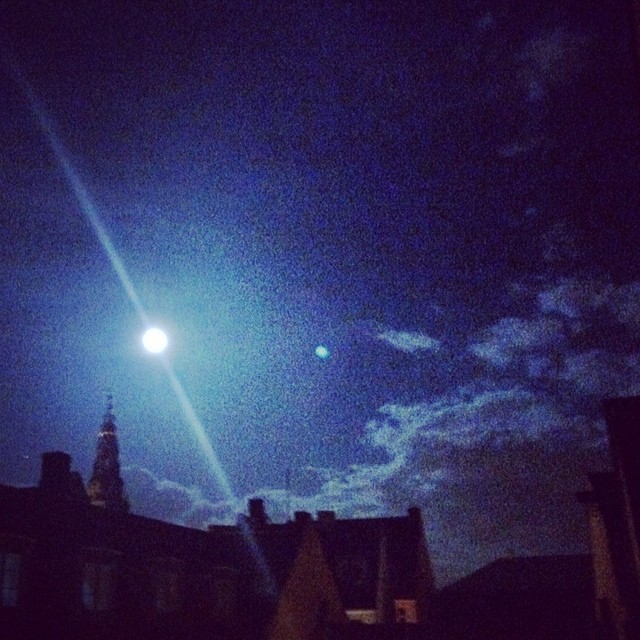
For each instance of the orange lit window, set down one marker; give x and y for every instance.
(406, 611)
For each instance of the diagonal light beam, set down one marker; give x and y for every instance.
(92, 215)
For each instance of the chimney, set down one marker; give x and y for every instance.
(414, 514)
(257, 514)
(326, 516)
(302, 516)
(55, 472)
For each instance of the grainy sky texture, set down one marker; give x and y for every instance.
(444, 194)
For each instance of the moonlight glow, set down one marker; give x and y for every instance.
(322, 352)
(155, 340)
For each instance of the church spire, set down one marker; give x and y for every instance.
(105, 488)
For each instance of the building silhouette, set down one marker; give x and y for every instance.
(519, 598)
(613, 506)
(77, 564)
(106, 488)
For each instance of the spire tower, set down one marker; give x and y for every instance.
(105, 488)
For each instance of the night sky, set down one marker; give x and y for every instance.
(443, 194)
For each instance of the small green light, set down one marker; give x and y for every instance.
(322, 352)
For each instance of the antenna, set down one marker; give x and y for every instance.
(287, 486)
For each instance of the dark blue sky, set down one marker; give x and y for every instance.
(444, 194)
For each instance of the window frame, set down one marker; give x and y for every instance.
(167, 582)
(10, 578)
(98, 591)
(20, 548)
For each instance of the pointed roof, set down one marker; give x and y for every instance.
(108, 420)
(106, 488)
(357, 547)
(525, 574)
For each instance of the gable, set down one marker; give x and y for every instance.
(309, 601)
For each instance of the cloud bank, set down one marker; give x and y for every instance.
(495, 463)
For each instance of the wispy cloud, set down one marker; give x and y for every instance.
(548, 59)
(477, 462)
(625, 305)
(470, 418)
(510, 337)
(576, 298)
(410, 341)
(495, 463)
(163, 499)
(602, 374)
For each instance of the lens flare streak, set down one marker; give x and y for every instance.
(199, 432)
(93, 217)
(78, 188)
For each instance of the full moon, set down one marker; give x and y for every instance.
(155, 340)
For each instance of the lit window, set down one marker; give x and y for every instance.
(98, 585)
(406, 611)
(10, 573)
(365, 616)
